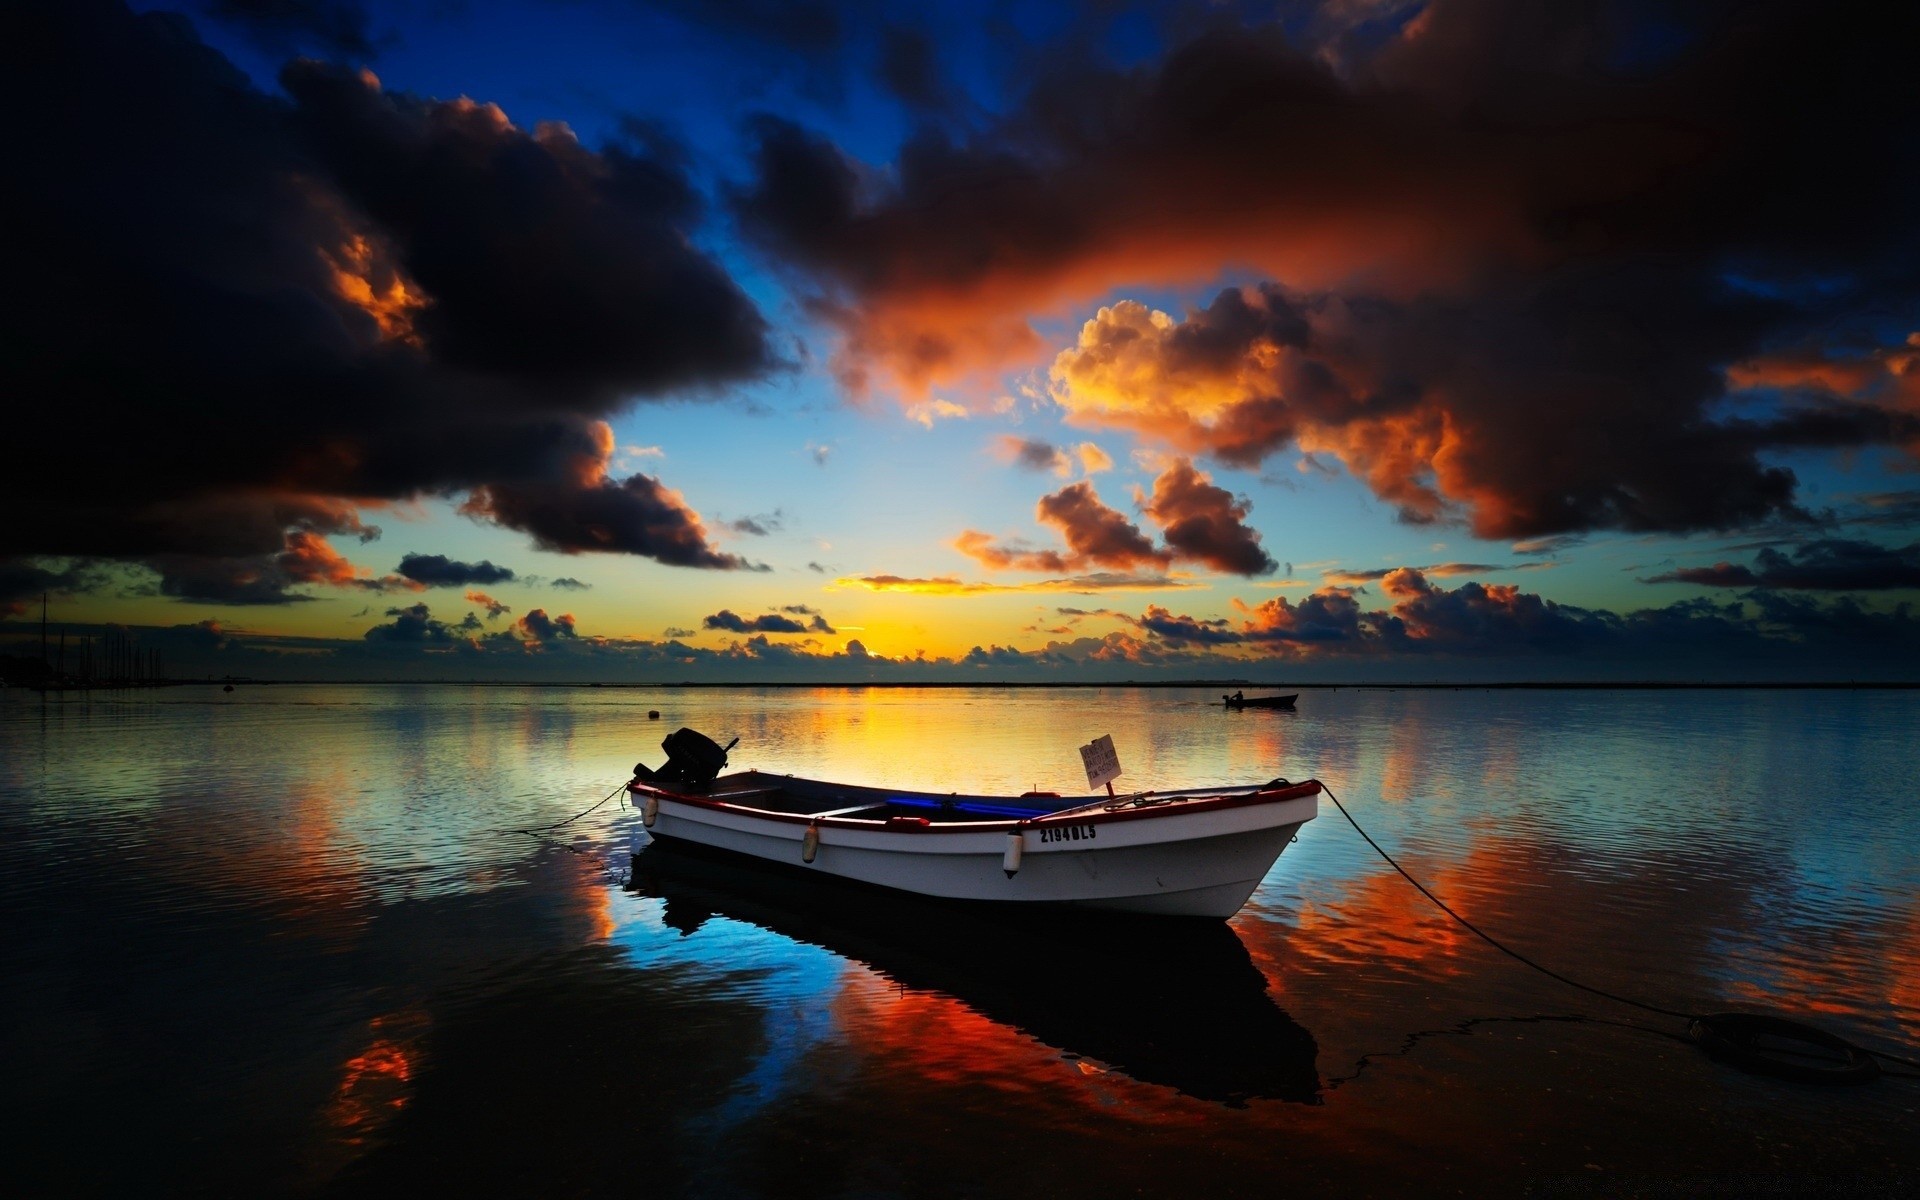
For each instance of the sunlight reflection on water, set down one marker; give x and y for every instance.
(311, 922)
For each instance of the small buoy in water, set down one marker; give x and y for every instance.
(650, 811)
(809, 843)
(1016, 846)
(653, 714)
(227, 688)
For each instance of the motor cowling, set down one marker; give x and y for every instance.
(692, 758)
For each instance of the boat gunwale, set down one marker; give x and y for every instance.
(1144, 806)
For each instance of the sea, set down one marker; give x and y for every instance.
(411, 940)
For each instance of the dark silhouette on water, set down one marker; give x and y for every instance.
(1240, 700)
(1174, 1003)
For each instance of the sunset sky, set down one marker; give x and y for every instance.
(661, 340)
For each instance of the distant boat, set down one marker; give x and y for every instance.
(1195, 852)
(1238, 701)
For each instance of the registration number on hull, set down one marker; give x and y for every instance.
(1066, 833)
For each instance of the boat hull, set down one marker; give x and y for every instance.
(1200, 863)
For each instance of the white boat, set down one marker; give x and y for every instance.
(1195, 852)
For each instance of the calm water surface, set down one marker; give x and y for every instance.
(288, 940)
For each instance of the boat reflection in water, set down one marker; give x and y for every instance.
(1165, 1001)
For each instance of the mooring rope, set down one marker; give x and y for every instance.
(575, 817)
(1787, 1029)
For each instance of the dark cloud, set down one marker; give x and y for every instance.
(1184, 630)
(1493, 621)
(1035, 455)
(297, 305)
(24, 582)
(728, 620)
(437, 570)
(567, 583)
(1204, 523)
(1096, 536)
(307, 559)
(585, 511)
(1830, 564)
(545, 260)
(806, 27)
(759, 526)
(1499, 236)
(280, 27)
(413, 625)
(994, 656)
(818, 621)
(1895, 510)
(911, 70)
(1844, 620)
(537, 626)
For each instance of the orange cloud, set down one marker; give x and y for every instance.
(1237, 381)
(1895, 369)
(494, 607)
(1092, 458)
(309, 559)
(942, 274)
(982, 548)
(1491, 269)
(373, 283)
(1886, 378)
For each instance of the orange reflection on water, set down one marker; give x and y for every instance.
(1869, 975)
(1380, 919)
(292, 855)
(928, 1037)
(376, 1084)
(373, 1085)
(932, 1035)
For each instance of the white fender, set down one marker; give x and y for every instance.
(650, 810)
(809, 843)
(1016, 846)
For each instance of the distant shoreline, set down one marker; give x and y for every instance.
(1185, 684)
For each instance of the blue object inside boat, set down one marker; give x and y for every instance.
(968, 806)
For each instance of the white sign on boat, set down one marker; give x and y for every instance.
(1103, 761)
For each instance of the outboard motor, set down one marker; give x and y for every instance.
(692, 758)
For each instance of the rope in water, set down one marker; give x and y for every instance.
(539, 832)
(575, 817)
(1732, 1035)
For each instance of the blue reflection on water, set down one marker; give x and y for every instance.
(793, 983)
